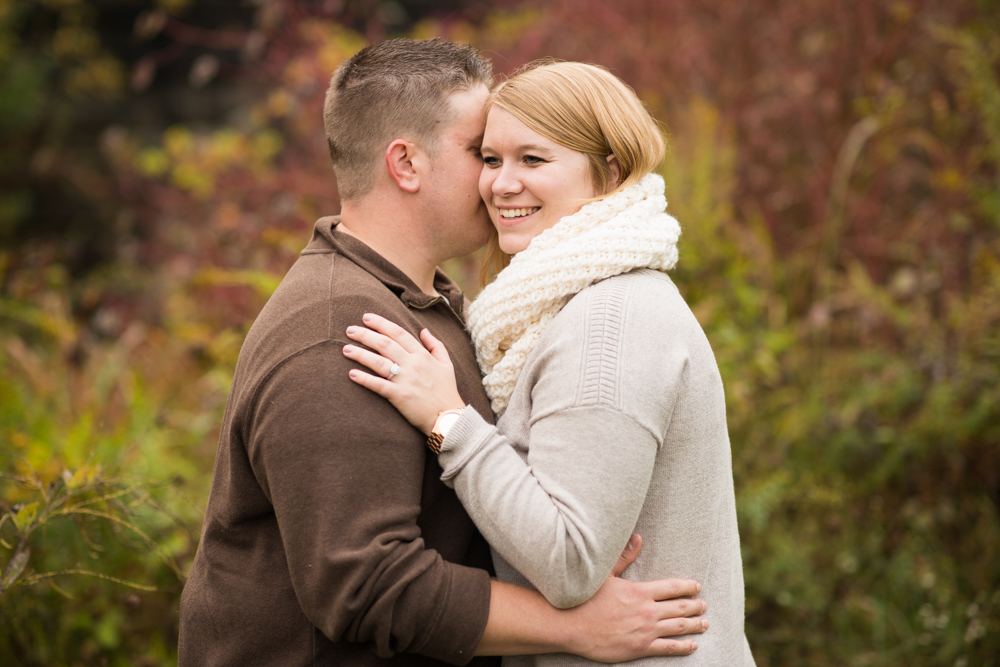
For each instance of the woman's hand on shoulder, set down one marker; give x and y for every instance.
(418, 379)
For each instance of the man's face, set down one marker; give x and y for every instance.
(460, 222)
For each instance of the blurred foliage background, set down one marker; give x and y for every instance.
(836, 170)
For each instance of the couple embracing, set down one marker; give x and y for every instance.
(556, 490)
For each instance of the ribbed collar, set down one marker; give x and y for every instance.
(326, 238)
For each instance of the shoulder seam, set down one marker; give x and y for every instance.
(329, 298)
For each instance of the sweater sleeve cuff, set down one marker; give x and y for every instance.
(461, 620)
(466, 437)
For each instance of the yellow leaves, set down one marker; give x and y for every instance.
(101, 77)
(195, 180)
(901, 11)
(300, 72)
(227, 146)
(25, 517)
(75, 41)
(174, 7)
(463, 32)
(338, 45)
(279, 104)
(152, 162)
(79, 440)
(266, 145)
(195, 162)
(505, 29)
(427, 29)
(50, 318)
(948, 179)
(62, 4)
(83, 477)
(178, 142)
(263, 282)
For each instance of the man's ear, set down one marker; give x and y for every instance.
(399, 157)
(616, 172)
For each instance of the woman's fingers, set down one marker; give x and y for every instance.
(383, 345)
(435, 347)
(376, 362)
(392, 330)
(380, 386)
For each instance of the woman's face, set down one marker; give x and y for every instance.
(528, 181)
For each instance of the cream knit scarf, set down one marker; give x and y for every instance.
(627, 230)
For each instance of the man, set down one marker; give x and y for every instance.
(329, 538)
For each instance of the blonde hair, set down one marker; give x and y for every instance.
(585, 108)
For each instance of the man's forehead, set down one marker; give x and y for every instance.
(467, 111)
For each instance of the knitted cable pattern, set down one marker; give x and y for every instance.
(627, 230)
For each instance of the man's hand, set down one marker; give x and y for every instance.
(625, 620)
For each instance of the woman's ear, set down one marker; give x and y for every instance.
(616, 172)
(399, 158)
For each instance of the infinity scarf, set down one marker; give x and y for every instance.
(627, 230)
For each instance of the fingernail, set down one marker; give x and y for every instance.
(351, 330)
(367, 317)
(694, 646)
(353, 374)
(349, 348)
(704, 624)
(631, 543)
(697, 587)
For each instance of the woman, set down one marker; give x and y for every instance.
(611, 413)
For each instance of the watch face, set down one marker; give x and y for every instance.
(446, 422)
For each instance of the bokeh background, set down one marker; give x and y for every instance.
(835, 167)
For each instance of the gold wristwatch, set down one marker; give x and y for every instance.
(445, 420)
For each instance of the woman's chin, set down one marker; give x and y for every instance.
(513, 245)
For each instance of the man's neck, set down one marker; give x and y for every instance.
(392, 235)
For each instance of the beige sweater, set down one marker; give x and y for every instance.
(617, 424)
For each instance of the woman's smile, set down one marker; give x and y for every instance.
(513, 216)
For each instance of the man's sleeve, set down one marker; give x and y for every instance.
(344, 472)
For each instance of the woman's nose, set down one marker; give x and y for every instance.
(506, 182)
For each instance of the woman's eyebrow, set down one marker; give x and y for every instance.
(531, 148)
(523, 148)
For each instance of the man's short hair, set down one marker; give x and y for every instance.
(392, 89)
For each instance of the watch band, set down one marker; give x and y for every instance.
(436, 438)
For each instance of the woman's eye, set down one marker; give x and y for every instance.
(490, 161)
(531, 159)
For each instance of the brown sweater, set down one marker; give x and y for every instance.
(329, 538)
